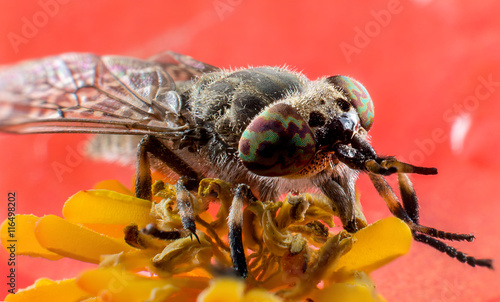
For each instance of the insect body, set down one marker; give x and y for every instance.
(269, 128)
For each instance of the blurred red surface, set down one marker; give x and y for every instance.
(429, 66)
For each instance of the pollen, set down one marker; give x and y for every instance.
(292, 250)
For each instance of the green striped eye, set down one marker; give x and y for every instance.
(277, 142)
(358, 96)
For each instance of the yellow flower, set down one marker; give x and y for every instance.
(233, 289)
(291, 251)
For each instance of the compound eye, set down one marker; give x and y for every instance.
(358, 96)
(277, 142)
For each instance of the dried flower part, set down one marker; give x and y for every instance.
(291, 252)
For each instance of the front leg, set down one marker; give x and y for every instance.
(189, 180)
(151, 145)
(242, 194)
(186, 211)
(422, 233)
(185, 205)
(341, 193)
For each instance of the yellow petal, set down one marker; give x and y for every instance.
(92, 299)
(46, 290)
(114, 284)
(75, 241)
(113, 185)
(111, 230)
(24, 236)
(223, 289)
(376, 245)
(260, 295)
(107, 207)
(359, 288)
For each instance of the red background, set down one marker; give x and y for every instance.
(423, 60)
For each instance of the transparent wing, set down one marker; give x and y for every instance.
(91, 94)
(180, 67)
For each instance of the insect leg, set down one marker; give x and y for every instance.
(188, 181)
(452, 252)
(421, 233)
(150, 144)
(152, 230)
(345, 205)
(361, 156)
(397, 210)
(355, 159)
(409, 197)
(185, 206)
(242, 193)
(138, 239)
(186, 212)
(389, 197)
(410, 204)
